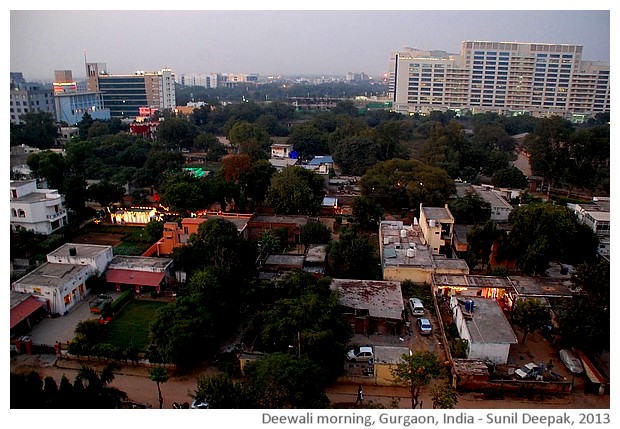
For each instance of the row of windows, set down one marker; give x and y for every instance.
(18, 213)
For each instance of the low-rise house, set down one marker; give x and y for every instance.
(322, 164)
(61, 281)
(26, 310)
(139, 272)
(175, 235)
(260, 223)
(372, 306)
(281, 150)
(500, 208)
(39, 210)
(406, 255)
(483, 324)
(315, 260)
(282, 262)
(437, 225)
(387, 358)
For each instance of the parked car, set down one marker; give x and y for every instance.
(424, 326)
(199, 404)
(360, 354)
(571, 360)
(416, 307)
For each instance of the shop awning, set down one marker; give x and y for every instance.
(24, 309)
(133, 277)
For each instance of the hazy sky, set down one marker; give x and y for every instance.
(276, 41)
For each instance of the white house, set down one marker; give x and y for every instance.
(500, 208)
(281, 150)
(482, 323)
(38, 210)
(61, 281)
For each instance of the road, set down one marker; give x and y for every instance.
(135, 382)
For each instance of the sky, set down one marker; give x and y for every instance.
(276, 41)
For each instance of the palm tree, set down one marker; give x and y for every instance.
(97, 392)
(159, 374)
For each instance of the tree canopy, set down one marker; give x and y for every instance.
(295, 190)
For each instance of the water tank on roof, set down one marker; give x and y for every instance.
(403, 233)
(432, 223)
(386, 241)
(72, 251)
(469, 306)
(415, 220)
(410, 252)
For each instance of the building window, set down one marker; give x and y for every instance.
(13, 213)
(21, 213)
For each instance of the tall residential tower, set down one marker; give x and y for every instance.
(502, 77)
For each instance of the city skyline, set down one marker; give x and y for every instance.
(311, 42)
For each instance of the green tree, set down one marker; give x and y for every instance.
(480, 240)
(510, 177)
(310, 323)
(470, 209)
(315, 232)
(548, 149)
(37, 129)
(295, 190)
(154, 230)
(585, 319)
(444, 396)
(184, 193)
(176, 133)
(399, 183)
(209, 144)
(281, 380)
(106, 193)
(366, 213)
(543, 232)
(97, 391)
(251, 139)
(76, 193)
(48, 165)
(353, 256)
(355, 155)
(417, 371)
(159, 375)
(530, 314)
(309, 140)
(222, 392)
(258, 180)
(85, 124)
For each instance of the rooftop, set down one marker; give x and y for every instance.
(299, 220)
(440, 214)
(547, 287)
(488, 323)
(316, 254)
(456, 280)
(382, 299)
(52, 275)
(139, 263)
(491, 197)
(86, 251)
(324, 159)
(285, 259)
(390, 354)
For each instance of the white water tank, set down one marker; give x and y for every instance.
(403, 233)
(432, 223)
(410, 252)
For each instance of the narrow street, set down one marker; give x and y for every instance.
(135, 382)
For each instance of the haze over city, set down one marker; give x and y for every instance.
(267, 42)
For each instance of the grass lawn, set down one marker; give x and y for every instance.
(131, 326)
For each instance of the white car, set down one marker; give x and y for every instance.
(360, 354)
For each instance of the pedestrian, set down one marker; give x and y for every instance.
(360, 395)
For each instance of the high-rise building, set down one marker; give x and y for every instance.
(72, 101)
(502, 77)
(125, 94)
(28, 97)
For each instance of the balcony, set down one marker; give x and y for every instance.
(57, 214)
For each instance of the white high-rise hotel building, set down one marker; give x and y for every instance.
(504, 77)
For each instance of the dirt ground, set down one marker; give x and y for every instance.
(100, 238)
